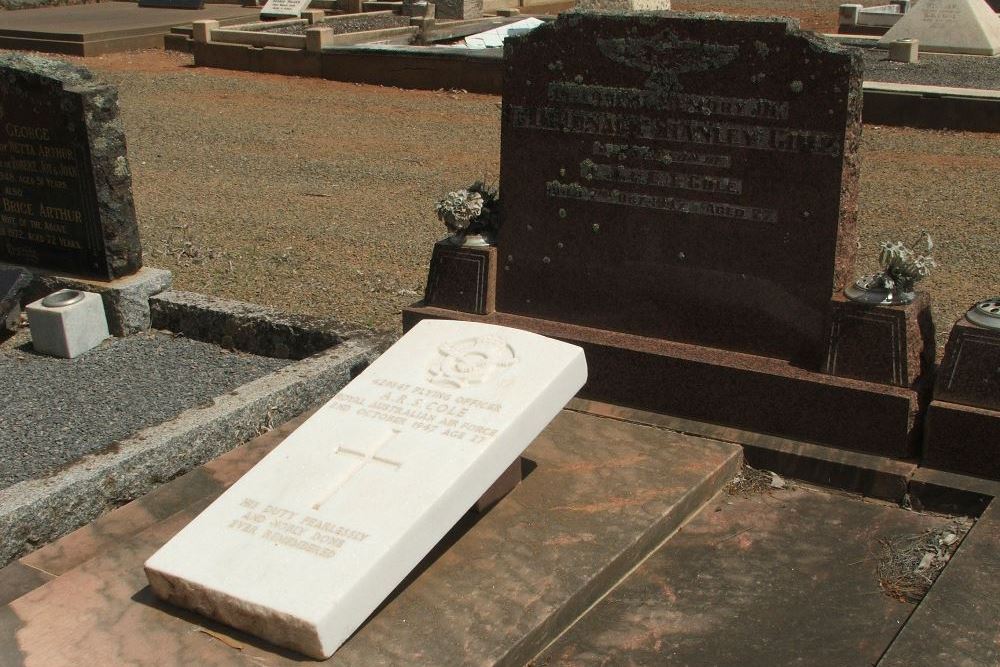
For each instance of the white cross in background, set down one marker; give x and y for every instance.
(362, 460)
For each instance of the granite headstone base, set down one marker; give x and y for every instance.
(891, 345)
(963, 421)
(126, 300)
(728, 388)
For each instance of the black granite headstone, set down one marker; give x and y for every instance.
(65, 185)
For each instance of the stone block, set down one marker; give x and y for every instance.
(67, 323)
(318, 39)
(313, 16)
(201, 31)
(462, 278)
(970, 369)
(885, 344)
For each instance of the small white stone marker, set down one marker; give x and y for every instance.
(307, 544)
(285, 8)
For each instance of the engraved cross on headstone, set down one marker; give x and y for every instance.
(362, 460)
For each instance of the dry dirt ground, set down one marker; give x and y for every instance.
(316, 197)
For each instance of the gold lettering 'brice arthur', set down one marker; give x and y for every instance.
(16, 207)
(60, 214)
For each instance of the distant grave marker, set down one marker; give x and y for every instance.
(949, 26)
(283, 8)
(65, 185)
(309, 542)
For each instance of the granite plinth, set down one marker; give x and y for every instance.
(462, 278)
(495, 591)
(729, 388)
(962, 439)
(883, 344)
(970, 370)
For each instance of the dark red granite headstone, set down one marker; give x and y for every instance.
(682, 176)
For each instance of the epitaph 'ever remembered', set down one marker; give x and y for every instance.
(683, 176)
(65, 186)
(309, 542)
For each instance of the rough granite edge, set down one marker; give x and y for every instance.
(126, 299)
(245, 326)
(279, 628)
(36, 512)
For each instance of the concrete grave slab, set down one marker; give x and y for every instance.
(494, 591)
(949, 26)
(777, 578)
(106, 27)
(314, 538)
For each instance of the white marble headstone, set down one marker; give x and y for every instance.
(283, 8)
(309, 542)
(949, 26)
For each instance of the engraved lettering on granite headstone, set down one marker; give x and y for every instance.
(65, 187)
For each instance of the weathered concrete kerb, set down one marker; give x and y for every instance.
(35, 512)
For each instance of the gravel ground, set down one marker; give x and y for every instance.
(934, 70)
(57, 410)
(328, 211)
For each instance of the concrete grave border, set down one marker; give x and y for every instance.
(38, 511)
(385, 58)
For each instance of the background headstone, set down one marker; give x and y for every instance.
(686, 177)
(949, 26)
(65, 185)
(283, 8)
